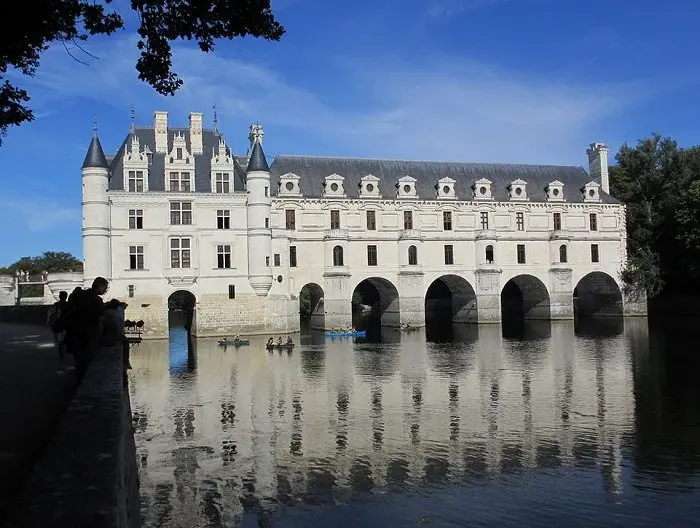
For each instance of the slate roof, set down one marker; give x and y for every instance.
(95, 156)
(257, 160)
(313, 171)
(156, 172)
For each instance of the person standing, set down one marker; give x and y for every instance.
(59, 334)
(86, 324)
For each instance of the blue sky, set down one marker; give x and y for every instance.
(531, 81)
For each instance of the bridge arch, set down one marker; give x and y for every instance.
(524, 297)
(452, 298)
(311, 306)
(181, 309)
(375, 301)
(597, 295)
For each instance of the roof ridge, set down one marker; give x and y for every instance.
(440, 162)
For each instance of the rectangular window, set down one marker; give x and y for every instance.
(180, 256)
(180, 181)
(267, 261)
(136, 257)
(557, 221)
(131, 290)
(292, 256)
(593, 221)
(267, 192)
(595, 255)
(223, 256)
(447, 220)
(267, 223)
(520, 221)
(178, 153)
(135, 181)
(277, 259)
(408, 219)
(484, 220)
(135, 218)
(223, 219)
(335, 219)
(371, 255)
(371, 221)
(449, 255)
(231, 291)
(521, 253)
(223, 182)
(291, 218)
(181, 213)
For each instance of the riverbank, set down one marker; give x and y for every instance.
(33, 398)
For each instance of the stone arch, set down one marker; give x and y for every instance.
(181, 309)
(311, 306)
(598, 295)
(375, 301)
(524, 297)
(451, 298)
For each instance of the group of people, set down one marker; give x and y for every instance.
(82, 322)
(271, 342)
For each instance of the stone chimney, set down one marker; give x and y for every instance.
(196, 133)
(160, 125)
(598, 165)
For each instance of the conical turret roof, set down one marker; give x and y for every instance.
(257, 160)
(95, 156)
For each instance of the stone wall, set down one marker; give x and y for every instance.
(87, 475)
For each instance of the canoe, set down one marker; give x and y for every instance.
(285, 346)
(234, 342)
(409, 328)
(358, 333)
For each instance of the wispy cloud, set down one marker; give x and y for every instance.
(445, 109)
(37, 214)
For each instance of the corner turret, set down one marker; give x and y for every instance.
(96, 246)
(258, 209)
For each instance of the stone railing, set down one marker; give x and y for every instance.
(87, 475)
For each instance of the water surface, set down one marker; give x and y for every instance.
(597, 425)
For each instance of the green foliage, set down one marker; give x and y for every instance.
(31, 290)
(30, 32)
(305, 308)
(660, 184)
(51, 261)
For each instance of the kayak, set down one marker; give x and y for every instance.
(233, 342)
(358, 333)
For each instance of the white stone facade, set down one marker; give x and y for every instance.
(244, 238)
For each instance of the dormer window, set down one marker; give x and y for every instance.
(333, 186)
(289, 185)
(136, 164)
(179, 172)
(445, 189)
(369, 187)
(591, 192)
(555, 191)
(482, 189)
(222, 181)
(517, 190)
(406, 188)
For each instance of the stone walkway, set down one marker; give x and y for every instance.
(34, 392)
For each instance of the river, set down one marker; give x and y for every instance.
(596, 424)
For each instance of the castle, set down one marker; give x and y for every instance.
(176, 220)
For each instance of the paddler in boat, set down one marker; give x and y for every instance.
(271, 342)
(279, 341)
(289, 340)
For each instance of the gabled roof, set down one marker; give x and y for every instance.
(313, 171)
(156, 172)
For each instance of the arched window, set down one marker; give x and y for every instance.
(489, 254)
(338, 256)
(562, 253)
(412, 256)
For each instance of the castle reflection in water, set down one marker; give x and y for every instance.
(221, 432)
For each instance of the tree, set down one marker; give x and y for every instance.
(28, 32)
(51, 261)
(660, 185)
